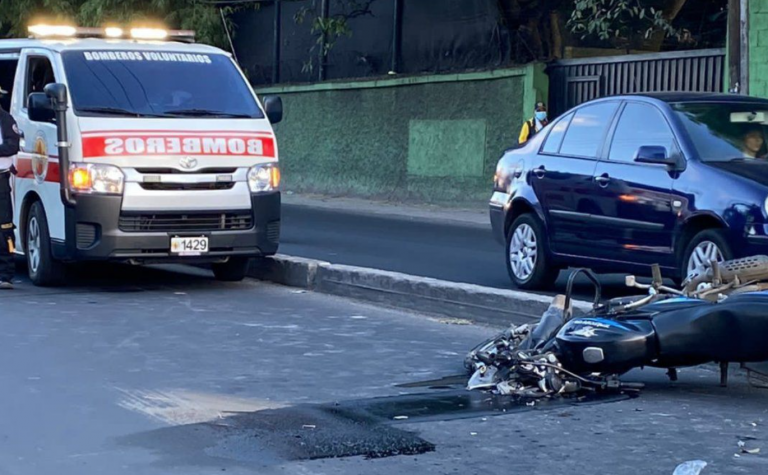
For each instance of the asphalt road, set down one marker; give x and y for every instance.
(143, 371)
(449, 252)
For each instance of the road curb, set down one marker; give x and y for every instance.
(393, 289)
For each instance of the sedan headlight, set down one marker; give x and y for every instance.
(96, 178)
(263, 178)
(765, 206)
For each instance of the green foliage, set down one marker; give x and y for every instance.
(199, 15)
(624, 19)
(328, 30)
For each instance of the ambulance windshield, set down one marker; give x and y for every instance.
(157, 84)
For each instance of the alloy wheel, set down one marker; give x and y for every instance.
(703, 254)
(33, 244)
(523, 252)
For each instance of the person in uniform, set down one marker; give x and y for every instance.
(533, 126)
(9, 147)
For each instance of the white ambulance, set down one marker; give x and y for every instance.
(138, 146)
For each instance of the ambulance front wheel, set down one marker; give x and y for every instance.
(44, 270)
(234, 270)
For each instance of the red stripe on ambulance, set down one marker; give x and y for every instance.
(121, 144)
(24, 169)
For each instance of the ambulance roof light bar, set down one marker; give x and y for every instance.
(138, 33)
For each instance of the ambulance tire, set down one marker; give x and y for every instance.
(234, 270)
(44, 270)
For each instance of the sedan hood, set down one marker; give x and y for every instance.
(751, 169)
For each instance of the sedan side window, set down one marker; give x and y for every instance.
(587, 130)
(555, 138)
(640, 125)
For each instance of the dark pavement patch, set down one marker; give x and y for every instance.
(347, 429)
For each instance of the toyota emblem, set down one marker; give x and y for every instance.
(188, 163)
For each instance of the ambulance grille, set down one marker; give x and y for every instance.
(172, 171)
(227, 185)
(236, 221)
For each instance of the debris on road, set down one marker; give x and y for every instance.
(692, 467)
(309, 426)
(400, 418)
(454, 321)
(744, 450)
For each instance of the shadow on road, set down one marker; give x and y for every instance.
(109, 277)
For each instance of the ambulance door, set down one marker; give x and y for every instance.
(37, 162)
(9, 65)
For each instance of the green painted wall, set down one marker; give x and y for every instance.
(758, 48)
(424, 138)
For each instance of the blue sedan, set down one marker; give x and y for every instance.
(620, 183)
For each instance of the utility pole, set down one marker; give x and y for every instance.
(738, 46)
(397, 35)
(744, 42)
(276, 45)
(324, 8)
(734, 46)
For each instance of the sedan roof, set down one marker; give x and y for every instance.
(677, 97)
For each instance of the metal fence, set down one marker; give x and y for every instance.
(393, 36)
(575, 81)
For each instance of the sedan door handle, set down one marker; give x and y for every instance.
(540, 172)
(603, 180)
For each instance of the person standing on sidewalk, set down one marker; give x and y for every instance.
(535, 124)
(9, 147)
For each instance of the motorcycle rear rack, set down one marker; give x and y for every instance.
(569, 290)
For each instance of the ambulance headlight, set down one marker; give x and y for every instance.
(96, 178)
(263, 178)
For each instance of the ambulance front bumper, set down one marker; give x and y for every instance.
(99, 229)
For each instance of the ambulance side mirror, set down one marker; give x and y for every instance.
(273, 106)
(40, 107)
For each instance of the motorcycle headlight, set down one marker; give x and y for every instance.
(96, 178)
(263, 178)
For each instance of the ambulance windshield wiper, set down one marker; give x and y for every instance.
(206, 113)
(117, 111)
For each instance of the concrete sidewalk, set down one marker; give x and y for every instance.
(476, 216)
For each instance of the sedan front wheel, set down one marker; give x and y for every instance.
(706, 246)
(528, 262)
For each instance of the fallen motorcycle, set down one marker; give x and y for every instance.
(720, 316)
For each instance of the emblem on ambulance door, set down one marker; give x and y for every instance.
(188, 163)
(40, 159)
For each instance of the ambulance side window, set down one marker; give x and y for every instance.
(39, 75)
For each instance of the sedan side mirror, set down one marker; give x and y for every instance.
(273, 106)
(40, 107)
(654, 154)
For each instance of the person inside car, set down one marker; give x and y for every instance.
(753, 144)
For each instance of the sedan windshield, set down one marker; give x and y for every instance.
(152, 84)
(726, 131)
